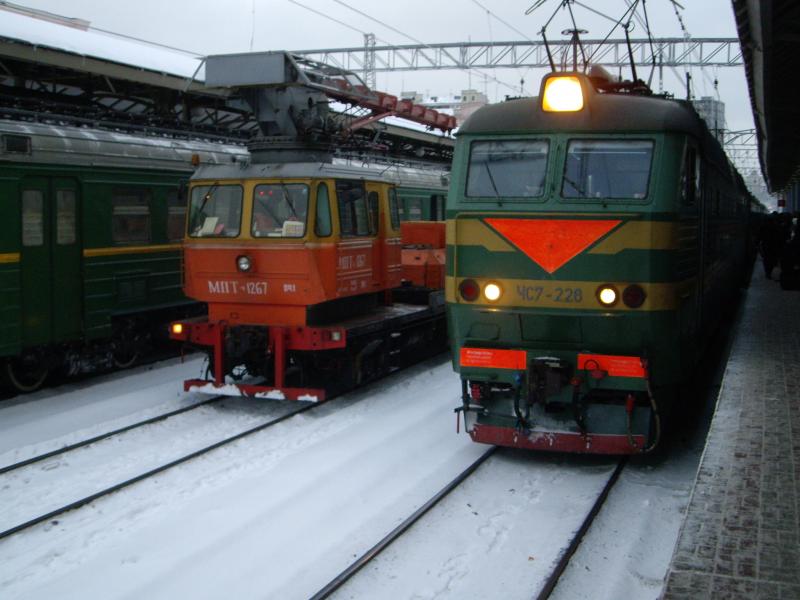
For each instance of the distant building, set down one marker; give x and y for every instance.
(415, 97)
(460, 105)
(712, 111)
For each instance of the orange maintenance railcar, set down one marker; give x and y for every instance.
(297, 263)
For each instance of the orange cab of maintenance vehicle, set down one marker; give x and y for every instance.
(267, 247)
(284, 254)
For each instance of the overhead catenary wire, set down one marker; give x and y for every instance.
(416, 41)
(512, 28)
(330, 18)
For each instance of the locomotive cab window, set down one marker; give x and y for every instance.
(394, 209)
(607, 169)
(323, 227)
(372, 201)
(280, 210)
(354, 220)
(690, 178)
(215, 211)
(507, 169)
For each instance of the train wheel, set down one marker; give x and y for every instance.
(125, 355)
(126, 344)
(26, 374)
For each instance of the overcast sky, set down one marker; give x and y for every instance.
(216, 26)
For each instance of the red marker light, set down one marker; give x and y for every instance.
(469, 290)
(633, 296)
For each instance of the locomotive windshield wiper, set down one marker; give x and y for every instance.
(207, 196)
(576, 187)
(289, 202)
(265, 206)
(491, 179)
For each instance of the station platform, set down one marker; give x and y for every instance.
(741, 534)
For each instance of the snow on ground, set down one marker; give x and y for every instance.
(275, 515)
(280, 513)
(627, 551)
(525, 508)
(496, 536)
(45, 486)
(37, 423)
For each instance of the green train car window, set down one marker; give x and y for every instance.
(323, 226)
(413, 209)
(215, 211)
(607, 169)
(32, 218)
(280, 210)
(507, 169)
(176, 216)
(353, 212)
(66, 217)
(17, 144)
(394, 209)
(130, 218)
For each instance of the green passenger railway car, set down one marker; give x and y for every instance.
(90, 229)
(593, 235)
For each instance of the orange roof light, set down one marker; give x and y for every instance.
(562, 94)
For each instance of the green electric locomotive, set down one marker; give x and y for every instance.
(593, 235)
(91, 223)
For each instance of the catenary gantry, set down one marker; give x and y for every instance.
(664, 52)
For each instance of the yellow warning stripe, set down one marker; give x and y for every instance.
(11, 257)
(118, 250)
(571, 295)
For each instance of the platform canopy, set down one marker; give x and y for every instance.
(58, 69)
(769, 31)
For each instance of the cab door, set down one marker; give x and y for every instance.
(377, 230)
(355, 249)
(392, 265)
(50, 261)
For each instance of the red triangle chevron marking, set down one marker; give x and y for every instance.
(552, 243)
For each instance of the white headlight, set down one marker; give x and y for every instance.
(607, 295)
(492, 292)
(243, 263)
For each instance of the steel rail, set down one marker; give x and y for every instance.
(338, 581)
(103, 436)
(118, 486)
(567, 553)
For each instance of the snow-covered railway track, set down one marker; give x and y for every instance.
(338, 581)
(97, 438)
(568, 551)
(16, 512)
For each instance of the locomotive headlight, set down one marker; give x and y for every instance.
(243, 263)
(607, 295)
(177, 328)
(562, 94)
(492, 291)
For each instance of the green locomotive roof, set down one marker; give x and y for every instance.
(603, 112)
